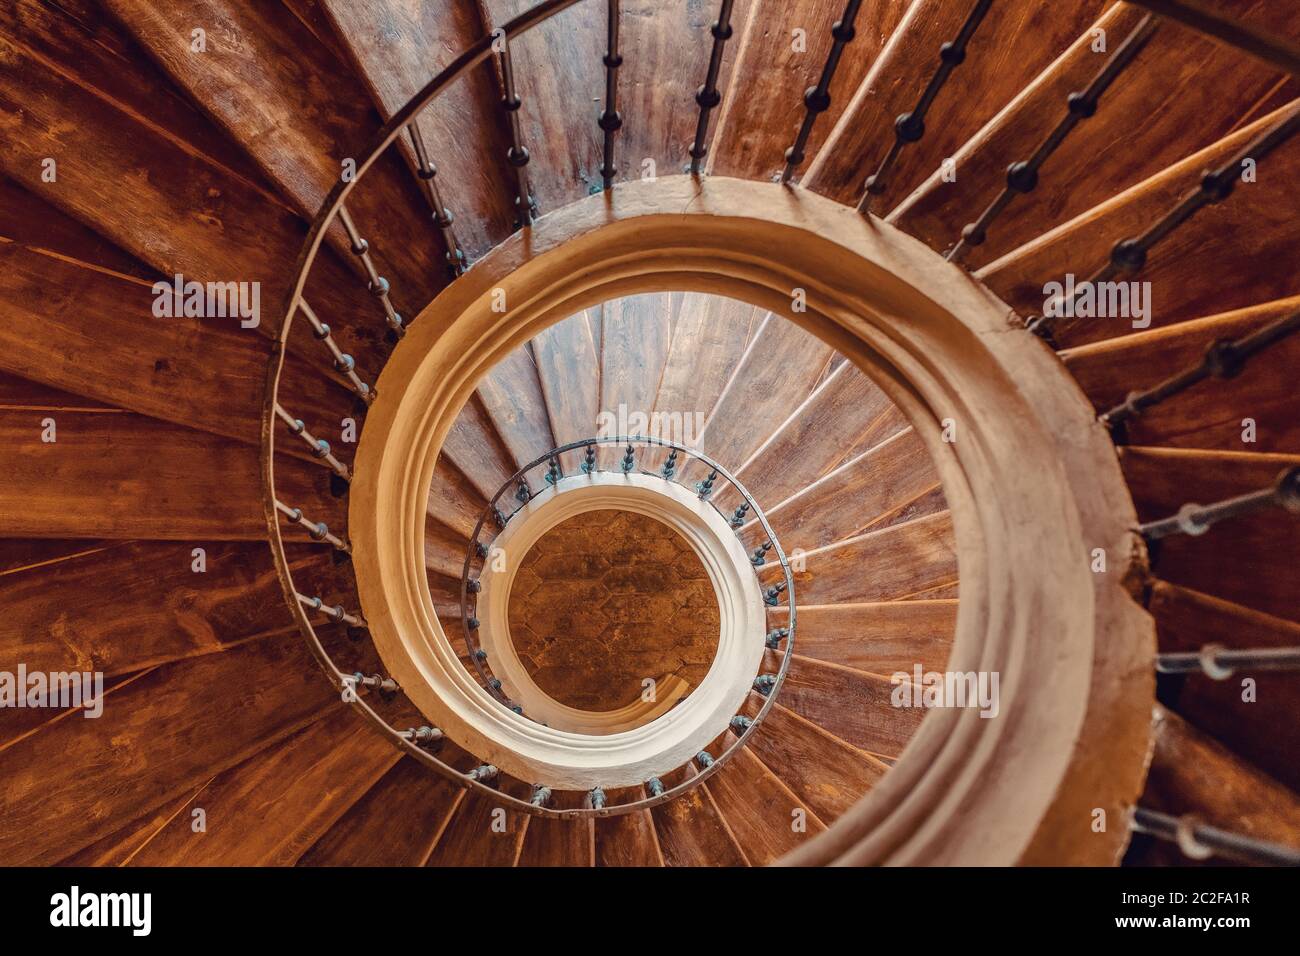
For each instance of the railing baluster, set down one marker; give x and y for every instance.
(707, 96)
(428, 172)
(817, 99)
(1199, 841)
(1130, 255)
(1022, 177)
(611, 121)
(517, 154)
(422, 736)
(541, 796)
(336, 613)
(654, 786)
(775, 637)
(910, 127)
(318, 531)
(484, 773)
(1222, 359)
(342, 361)
(320, 448)
(596, 798)
(385, 685)
(376, 283)
(1219, 662)
(1193, 519)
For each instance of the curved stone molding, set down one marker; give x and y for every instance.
(1031, 478)
(705, 713)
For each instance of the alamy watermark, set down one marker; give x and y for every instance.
(1098, 300)
(946, 689)
(209, 300)
(60, 689)
(684, 428)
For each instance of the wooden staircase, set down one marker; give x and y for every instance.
(211, 163)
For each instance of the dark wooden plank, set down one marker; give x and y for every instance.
(553, 842)
(1179, 84)
(1013, 44)
(1209, 415)
(843, 417)
(569, 368)
(453, 503)
(853, 705)
(477, 451)
(93, 333)
(72, 615)
(692, 832)
(89, 483)
(858, 496)
(763, 93)
(764, 815)
(398, 46)
(480, 833)
(268, 810)
(300, 113)
(159, 737)
(395, 824)
(1238, 560)
(1194, 272)
(879, 638)
(628, 839)
(1188, 620)
(512, 396)
(826, 773)
(1192, 774)
(885, 565)
(635, 343)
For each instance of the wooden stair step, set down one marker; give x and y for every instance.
(763, 90)
(140, 604)
(512, 396)
(636, 339)
(851, 704)
(708, 340)
(1188, 620)
(300, 113)
(550, 841)
(1177, 83)
(119, 848)
(847, 414)
(861, 495)
(270, 809)
(1193, 272)
(1012, 46)
(395, 823)
(764, 815)
(1243, 559)
(160, 736)
(1192, 774)
(88, 483)
(878, 638)
(778, 372)
(1210, 414)
(398, 47)
(790, 745)
(692, 832)
(568, 365)
(628, 839)
(481, 832)
(898, 562)
(454, 502)
(475, 448)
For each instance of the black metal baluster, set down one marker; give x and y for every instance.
(1199, 841)
(337, 613)
(317, 531)
(517, 154)
(376, 283)
(320, 448)
(1220, 663)
(428, 172)
(343, 362)
(1130, 255)
(1193, 519)
(1223, 360)
(707, 96)
(910, 127)
(817, 99)
(611, 121)
(1022, 177)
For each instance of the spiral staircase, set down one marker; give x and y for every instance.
(479, 229)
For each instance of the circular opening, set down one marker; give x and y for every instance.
(610, 608)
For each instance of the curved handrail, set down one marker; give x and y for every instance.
(478, 656)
